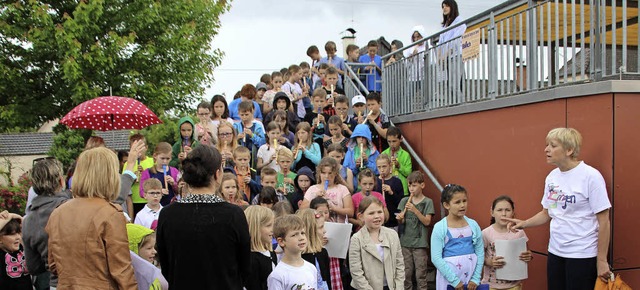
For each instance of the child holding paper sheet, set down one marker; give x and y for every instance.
(502, 207)
(321, 207)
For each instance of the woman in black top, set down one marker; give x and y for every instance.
(203, 242)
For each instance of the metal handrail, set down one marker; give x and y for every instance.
(477, 18)
(353, 76)
(541, 47)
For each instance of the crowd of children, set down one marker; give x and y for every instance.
(309, 162)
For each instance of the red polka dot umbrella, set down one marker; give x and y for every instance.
(110, 113)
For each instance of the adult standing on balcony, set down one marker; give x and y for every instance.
(414, 59)
(576, 202)
(449, 52)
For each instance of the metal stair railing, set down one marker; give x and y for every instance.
(357, 87)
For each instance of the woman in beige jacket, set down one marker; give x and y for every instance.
(88, 246)
(375, 255)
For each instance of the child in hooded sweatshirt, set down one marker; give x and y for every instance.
(360, 151)
(282, 103)
(188, 141)
(142, 242)
(302, 182)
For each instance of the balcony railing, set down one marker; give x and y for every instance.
(528, 46)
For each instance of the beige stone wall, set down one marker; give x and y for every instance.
(19, 165)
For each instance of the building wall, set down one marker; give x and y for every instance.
(19, 165)
(501, 151)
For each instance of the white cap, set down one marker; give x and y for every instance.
(359, 99)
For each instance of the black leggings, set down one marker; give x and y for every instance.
(571, 273)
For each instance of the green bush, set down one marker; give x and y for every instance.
(165, 132)
(67, 144)
(14, 197)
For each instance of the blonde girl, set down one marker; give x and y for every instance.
(267, 152)
(263, 259)
(321, 208)
(501, 208)
(229, 190)
(331, 187)
(375, 255)
(305, 151)
(227, 142)
(315, 253)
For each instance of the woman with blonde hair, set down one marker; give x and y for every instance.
(94, 142)
(576, 204)
(127, 178)
(88, 246)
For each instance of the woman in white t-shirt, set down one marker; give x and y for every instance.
(575, 201)
(414, 59)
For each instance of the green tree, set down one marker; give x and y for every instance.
(67, 144)
(57, 54)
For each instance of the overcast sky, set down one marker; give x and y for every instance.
(260, 36)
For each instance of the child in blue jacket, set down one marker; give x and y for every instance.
(361, 153)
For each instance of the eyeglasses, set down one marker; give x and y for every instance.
(154, 193)
(41, 159)
(225, 134)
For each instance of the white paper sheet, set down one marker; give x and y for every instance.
(514, 268)
(338, 235)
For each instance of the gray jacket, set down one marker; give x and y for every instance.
(126, 181)
(34, 236)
